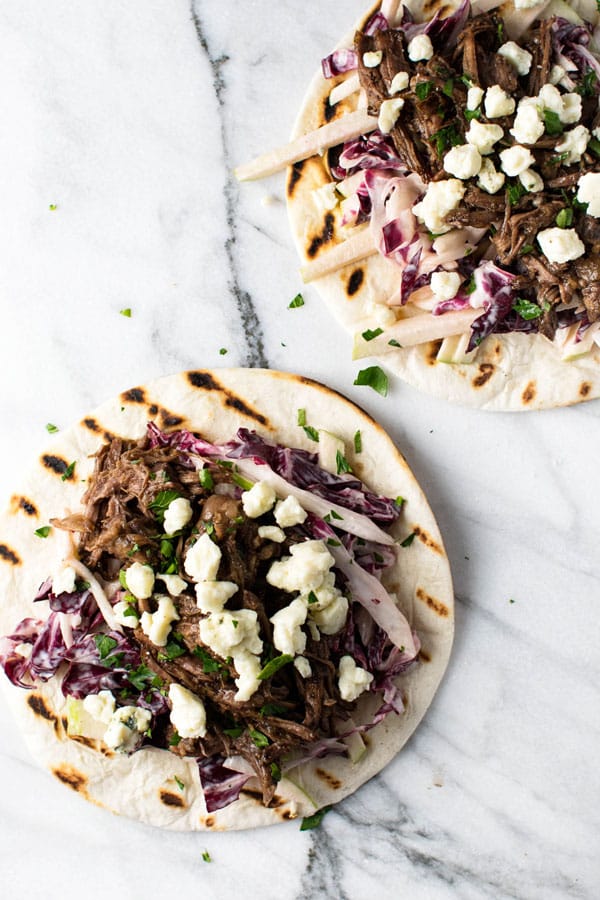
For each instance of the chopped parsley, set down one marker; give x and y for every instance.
(175, 739)
(311, 432)
(52, 207)
(296, 302)
(472, 114)
(369, 334)
(272, 709)
(233, 732)
(448, 87)
(514, 191)
(43, 532)
(342, 464)
(68, 471)
(206, 856)
(423, 89)
(273, 666)
(51, 429)
(208, 663)
(222, 351)
(143, 677)
(374, 377)
(275, 772)
(206, 479)
(312, 597)
(587, 88)
(259, 739)
(241, 481)
(172, 651)
(594, 146)
(394, 343)
(552, 122)
(309, 822)
(525, 249)
(446, 137)
(125, 312)
(408, 540)
(161, 502)
(564, 218)
(357, 442)
(527, 309)
(105, 646)
(179, 783)
(301, 418)
(559, 158)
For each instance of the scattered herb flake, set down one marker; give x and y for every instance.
(206, 856)
(51, 429)
(448, 87)
(296, 302)
(175, 739)
(259, 739)
(275, 772)
(272, 709)
(43, 532)
(312, 597)
(125, 312)
(370, 334)
(233, 732)
(408, 540)
(394, 343)
(423, 89)
(471, 114)
(594, 146)
(374, 377)
(179, 783)
(222, 351)
(527, 309)
(161, 502)
(301, 418)
(52, 207)
(564, 218)
(342, 464)
(525, 249)
(68, 471)
(357, 442)
(552, 122)
(399, 500)
(273, 666)
(309, 822)
(311, 432)
(241, 481)
(206, 479)
(514, 191)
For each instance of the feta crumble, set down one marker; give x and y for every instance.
(174, 584)
(441, 198)
(528, 126)
(211, 596)
(388, 114)
(498, 103)
(531, 181)
(445, 285)
(588, 191)
(474, 97)
(352, 679)
(126, 726)
(516, 159)
(303, 666)
(288, 636)
(305, 568)
(519, 58)
(271, 533)
(463, 162)
(258, 500)
(489, 179)
(420, 48)
(100, 706)
(64, 581)
(203, 559)
(157, 625)
(288, 512)
(372, 58)
(560, 245)
(483, 137)
(399, 83)
(574, 143)
(177, 514)
(139, 579)
(188, 715)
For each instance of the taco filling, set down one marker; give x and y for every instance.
(477, 172)
(224, 602)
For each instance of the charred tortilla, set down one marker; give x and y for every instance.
(153, 785)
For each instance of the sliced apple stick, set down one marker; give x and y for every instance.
(454, 350)
(348, 127)
(414, 330)
(349, 251)
(571, 349)
(344, 89)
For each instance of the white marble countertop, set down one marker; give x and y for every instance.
(129, 117)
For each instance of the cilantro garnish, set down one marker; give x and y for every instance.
(423, 89)
(311, 432)
(143, 677)
(514, 191)
(179, 783)
(408, 541)
(312, 597)
(357, 442)
(206, 479)
(369, 334)
(274, 665)
(552, 122)
(342, 464)
(43, 532)
(206, 856)
(301, 420)
(472, 114)
(374, 377)
(259, 739)
(275, 772)
(564, 218)
(222, 351)
(172, 651)
(126, 312)
(175, 739)
(309, 822)
(161, 502)
(68, 471)
(527, 309)
(296, 302)
(394, 343)
(51, 429)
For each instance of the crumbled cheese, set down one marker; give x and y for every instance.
(399, 83)
(258, 500)
(64, 581)
(248, 667)
(566, 106)
(574, 142)
(125, 728)
(333, 616)
(157, 625)
(174, 584)
(489, 179)
(288, 636)
(177, 514)
(271, 533)
(388, 114)
(557, 73)
(571, 109)
(100, 706)
(463, 162)
(125, 614)
(203, 559)
(560, 245)
(321, 596)
(528, 125)
(420, 48)
(325, 197)
(188, 715)
(372, 58)
(445, 285)
(304, 570)
(516, 159)
(288, 512)
(498, 103)
(441, 198)
(229, 633)
(550, 98)
(596, 133)
(352, 680)
(483, 137)
(474, 97)
(519, 58)
(531, 181)
(302, 664)
(588, 191)
(139, 579)
(211, 596)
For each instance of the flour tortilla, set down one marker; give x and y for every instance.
(216, 404)
(509, 372)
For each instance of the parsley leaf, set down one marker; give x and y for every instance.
(259, 739)
(301, 420)
(51, 429)
(143, 677)
(369, 334)
(527, 309)
(357, 442)
(341, 463)
(43, 532)
(175, 739)
(423, 89)
(374, 377)
(125, 312)
(311, 432)
(272, 709)
(408, 540)
(274, 665)
(275, 772)
(564, 218)
(552, 122)
(206, 479)
(161, 502)
(68, 472)
(296, 302)
(179, 783)
(309, 822)
(206, 856)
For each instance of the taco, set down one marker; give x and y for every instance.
(216, 613)
(443, 195)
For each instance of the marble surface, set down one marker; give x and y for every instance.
(129, 117)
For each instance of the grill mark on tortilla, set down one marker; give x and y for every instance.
(329, 779)
(355, 281)
(170, 799)
(22, 503)
(427, 539)
(585, 388)
(424, 655)
(9, 555)
(323, 238)
(56, 465)
(287, 814)
(91, 424)
(209, 821)
(153, 409)
(295, 176)
(529, 393)
(71, 777)
(486, 370)
(37, 705)
(329, 111)
(257, 795)
(134, 395)
(170, 420)
(86, 741)
(436, 605)
(433, 348)
(205, 381)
